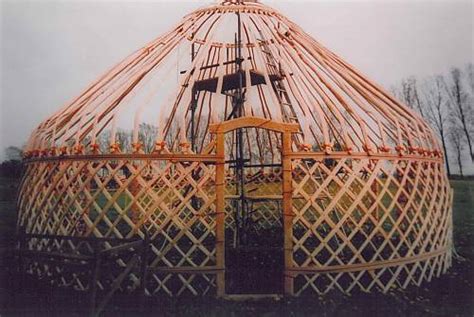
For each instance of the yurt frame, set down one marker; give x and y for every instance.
(366, 206)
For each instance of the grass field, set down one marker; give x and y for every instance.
(450, 295)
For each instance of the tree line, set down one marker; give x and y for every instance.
(446, 101)
(11, 167)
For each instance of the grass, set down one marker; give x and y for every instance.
(463, 217)
(449, 295)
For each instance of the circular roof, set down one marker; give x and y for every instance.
(174, 87)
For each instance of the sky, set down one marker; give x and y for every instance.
(52, 49)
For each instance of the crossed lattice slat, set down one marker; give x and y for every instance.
(365, 222)
(351, 212)
(264, 189)
(174, 201)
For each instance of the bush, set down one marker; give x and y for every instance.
(11, 169)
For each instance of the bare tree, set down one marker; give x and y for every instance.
(456, 137)
(408, 93)
(437, 111)
(462, 112)
(470, 79)
(103, 140)
(147, 134)
(124, 139)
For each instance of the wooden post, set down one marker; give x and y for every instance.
(94, 277)
(220, 214)
(287, 213)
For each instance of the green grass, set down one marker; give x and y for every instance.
(463, 217)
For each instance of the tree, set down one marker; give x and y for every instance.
(408, 94)
(456, 136)
(461, 110)
(147, 134)
(103, 141)
(13, 153)
(470, 78)
(12, 166)
(124, 140)
(437, 113)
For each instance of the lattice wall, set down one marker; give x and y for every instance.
(349, 220)
(369, 223)
(173, 201)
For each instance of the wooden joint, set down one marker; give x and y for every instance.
(137, 147)
(160, 146)
(367, 148)
(413, 149)
(115, 148)
(95, 148)
(78, 149)
(304, 147)
(53, 151)
(327, 148)
(400, 149)
(63, 150)
(185, 147)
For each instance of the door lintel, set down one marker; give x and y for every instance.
(253, 122)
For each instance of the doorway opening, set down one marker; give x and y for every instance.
(254, 253)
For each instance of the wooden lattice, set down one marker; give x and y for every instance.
(352, 215)
(354, 179)
(353, 221)
(120, 198)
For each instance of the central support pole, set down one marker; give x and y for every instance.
(241, 212)
(194, 101)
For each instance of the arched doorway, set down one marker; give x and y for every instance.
(253, 201)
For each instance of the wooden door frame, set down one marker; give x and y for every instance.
(286, 129)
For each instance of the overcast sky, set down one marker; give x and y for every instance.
(50, 50)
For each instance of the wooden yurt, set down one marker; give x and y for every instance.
(250, 159)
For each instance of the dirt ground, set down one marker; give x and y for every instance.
(449, 295)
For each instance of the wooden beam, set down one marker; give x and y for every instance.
(253, 122)
(363, 155)
(287, 214)
(119, 157)
(370, 265)
(220, 213)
